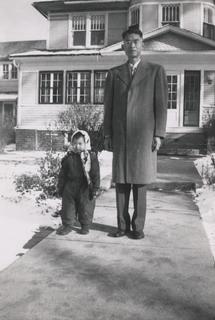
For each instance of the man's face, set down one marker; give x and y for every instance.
(132, 45)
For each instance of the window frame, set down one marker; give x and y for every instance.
(88, 16)
(14, 69)
(62, 87)
(171, 4)
(10, 67)
(95, 87)
(207, 8)
(78, 98)
(172, 92)
(136, 11)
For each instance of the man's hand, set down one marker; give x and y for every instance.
(108, 143)
(156, 143)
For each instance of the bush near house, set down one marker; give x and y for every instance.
(209, 128)
(206, 169)
(88, 118)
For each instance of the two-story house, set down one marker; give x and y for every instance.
(85, 41)
(9, 79)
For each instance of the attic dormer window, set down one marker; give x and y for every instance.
(88, 30)
(97, 30)
(79, 30)
(209, 15)
(209, 22)
(135, 16)
(8, 72)
(171, 14)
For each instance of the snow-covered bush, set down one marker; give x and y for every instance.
(27, 182)
(46, 179)
(206, 169)
(49, 170)
(209, 125)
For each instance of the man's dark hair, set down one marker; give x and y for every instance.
(77, 136)
(132, 29)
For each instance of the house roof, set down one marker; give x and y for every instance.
(8, 48)
(65, 6)
(48, 53)
(166, 39)
(170, 38)
(8, 96)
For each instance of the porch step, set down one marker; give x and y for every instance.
(191, 144)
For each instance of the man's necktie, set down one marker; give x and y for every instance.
(133, 70)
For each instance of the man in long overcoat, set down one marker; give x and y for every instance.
(134, 124)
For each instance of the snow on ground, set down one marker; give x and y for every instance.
(21, 218)
(205, 197)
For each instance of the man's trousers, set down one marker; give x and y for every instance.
(124, 220)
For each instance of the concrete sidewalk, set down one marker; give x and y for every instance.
(169, 275)
(177, 173)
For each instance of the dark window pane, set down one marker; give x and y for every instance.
(79, 38)
(174, 106)
(97, 37)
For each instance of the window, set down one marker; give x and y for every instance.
(208, 24)
(171, 14)
(172, 91)
(7, 114)
(5, 71)
(79, 30)
(99, 83)
(135, 16)
(88, 30)
(209, 15)
(51, 87)
(78, 87)
(97, 30)
(13, 72)
(8, 72)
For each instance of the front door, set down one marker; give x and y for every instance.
(173, 100)
(191, 98)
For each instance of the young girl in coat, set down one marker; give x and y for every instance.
(78, 184)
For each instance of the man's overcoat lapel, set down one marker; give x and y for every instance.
(142, 72)
(125, 76)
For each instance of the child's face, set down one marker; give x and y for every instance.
(79, 145)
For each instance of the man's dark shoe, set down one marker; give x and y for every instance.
(118, 234)
(137, 235)
(63, 230)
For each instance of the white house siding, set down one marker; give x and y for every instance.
(29, 87)
(191, 10)
(117, 23)
(149, 24)
(35, 115)
(58, 32)
(41, 116)
(8, 86)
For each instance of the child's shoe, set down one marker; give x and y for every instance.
(84, 230)
(63, 230)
